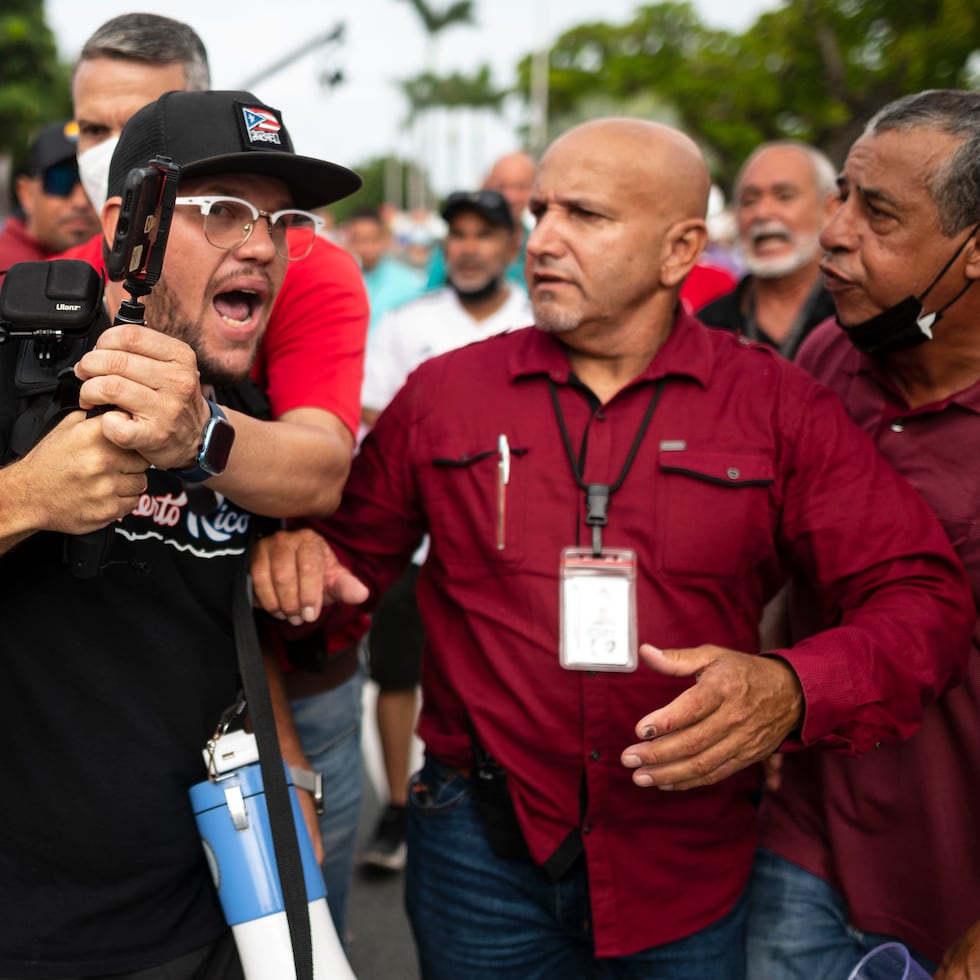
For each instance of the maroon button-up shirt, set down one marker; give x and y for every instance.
(18, 245)
(748, 468)
(896, 830)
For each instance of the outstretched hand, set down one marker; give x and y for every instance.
(294, 574)
(739, 710)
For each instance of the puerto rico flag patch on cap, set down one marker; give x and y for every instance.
(262, 126)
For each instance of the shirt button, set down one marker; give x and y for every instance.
(587, 829)
(732, 473)
(595, 755)
(898, 426)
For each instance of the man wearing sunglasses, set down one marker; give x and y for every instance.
(53, 213)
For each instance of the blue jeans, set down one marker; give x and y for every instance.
(477, 916)
(798, 927)
(329, 726)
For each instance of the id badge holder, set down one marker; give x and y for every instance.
(598, 609)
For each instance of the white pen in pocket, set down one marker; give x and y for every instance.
(503, 478)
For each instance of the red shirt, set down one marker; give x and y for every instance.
(896, 830)
(704, 284)
(746, 466)
(18, 245)
(312, 353)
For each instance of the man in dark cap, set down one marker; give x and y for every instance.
(310, 366)
(114, 684)
(52, 211)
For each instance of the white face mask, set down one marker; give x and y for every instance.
(93, 168)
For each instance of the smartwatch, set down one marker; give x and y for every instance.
(212, 456)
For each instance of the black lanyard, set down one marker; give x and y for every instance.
(597, 494)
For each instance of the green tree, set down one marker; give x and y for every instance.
(435, 21)
(34, 86)
(453, 91)
(812, 69)
(420, 91)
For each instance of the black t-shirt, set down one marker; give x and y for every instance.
(110, 689)
(734, 312)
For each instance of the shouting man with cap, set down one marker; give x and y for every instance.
(114, 684)
(478, 301)
(310, 366)
(53, 212)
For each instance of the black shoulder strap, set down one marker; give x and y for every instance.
(284, 840)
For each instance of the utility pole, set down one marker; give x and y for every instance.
(334, 36)
(539, 84)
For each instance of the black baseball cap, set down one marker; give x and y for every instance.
(489, 204)
(51, 146)
(218, 132)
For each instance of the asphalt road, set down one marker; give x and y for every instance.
(379, 940)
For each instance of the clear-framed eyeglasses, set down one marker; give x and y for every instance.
(229, 221)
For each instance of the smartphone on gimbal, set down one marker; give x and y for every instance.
(137, 250)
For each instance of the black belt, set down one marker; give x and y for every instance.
(337, 669)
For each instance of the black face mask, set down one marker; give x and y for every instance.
(903, 325)
(477, 295)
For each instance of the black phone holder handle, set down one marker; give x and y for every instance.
(87, 554)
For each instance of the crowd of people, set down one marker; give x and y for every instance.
(678, 546)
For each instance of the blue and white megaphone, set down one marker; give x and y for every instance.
(233, 820)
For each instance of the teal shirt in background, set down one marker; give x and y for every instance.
(391, 284)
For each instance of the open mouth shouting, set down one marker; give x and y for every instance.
(241, 307)
(764, 236)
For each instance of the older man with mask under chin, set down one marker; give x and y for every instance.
(857, 852)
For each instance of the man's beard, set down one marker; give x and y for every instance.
(555, 320)
(804, 250)
(167, 316)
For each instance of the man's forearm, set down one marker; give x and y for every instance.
(293, 467)
(16, 521)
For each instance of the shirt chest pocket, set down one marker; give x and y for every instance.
(476, 504)
(713, 511)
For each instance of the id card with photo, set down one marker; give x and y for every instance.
(598, 609)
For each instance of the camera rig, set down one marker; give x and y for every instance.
(53, 302)
(56, 305)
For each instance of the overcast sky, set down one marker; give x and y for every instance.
(383, 42)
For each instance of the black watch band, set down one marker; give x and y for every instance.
(215, 448)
